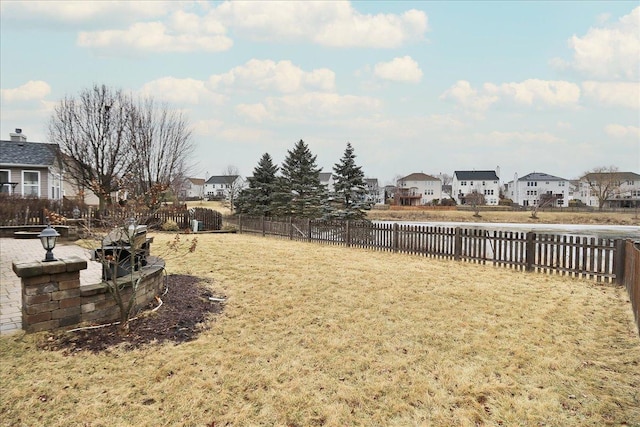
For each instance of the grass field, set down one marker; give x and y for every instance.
(551, 217)
(322, 335)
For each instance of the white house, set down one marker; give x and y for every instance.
(375, 193)
(326, 179)
(193, 188)
(486, 183)
(222, 186)
(620, 189)
(537, 188)
(417, 189)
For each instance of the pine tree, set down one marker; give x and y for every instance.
(300, 193)
(257, 198)
(350, 190)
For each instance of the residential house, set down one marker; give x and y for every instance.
(375, 194)
(484, 182)
(193, 189)
(222, 186)
(326, 179)
(30, 168)
(623, 189)
(539, 189)
(417, 189)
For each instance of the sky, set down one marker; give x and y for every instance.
(433, 87)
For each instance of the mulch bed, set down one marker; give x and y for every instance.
(185, 309)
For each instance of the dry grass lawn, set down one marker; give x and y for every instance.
(322, 335)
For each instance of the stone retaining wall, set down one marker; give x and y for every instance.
(52, 296)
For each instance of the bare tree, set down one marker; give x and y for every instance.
(475, 200)
(447, 187)
(163, 145)
(233, 184)
(93, 134)
(547, 198)
(603, 183)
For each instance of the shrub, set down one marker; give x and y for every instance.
(170, 226)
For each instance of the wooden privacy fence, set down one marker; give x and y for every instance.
(592, 258)
(208, 218)
(631, 276)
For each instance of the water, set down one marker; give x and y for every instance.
(600, 231)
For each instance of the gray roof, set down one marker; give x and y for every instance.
(539, 176)
(419, 176)
(222, 179)
(476, 175)
(324, 176)
(27, 153)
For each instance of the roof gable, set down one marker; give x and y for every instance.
(196, 181)
(476, 175)
(419, 176)
(27, 153)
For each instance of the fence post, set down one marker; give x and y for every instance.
(395, 237)
(457, 244)
(309, 229)
(262, 225)
(530, 251)
(240, 223)
(619, 261)
(290, 228)
(347, 237)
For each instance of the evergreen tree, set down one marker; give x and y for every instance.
(350, 189)
(257, 198)
(300, 193)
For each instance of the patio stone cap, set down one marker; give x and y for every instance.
(40, 268)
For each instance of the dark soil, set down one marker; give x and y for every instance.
(185, 309)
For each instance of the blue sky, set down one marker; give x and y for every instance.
(428, 87)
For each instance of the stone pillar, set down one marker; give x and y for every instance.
(50, 293)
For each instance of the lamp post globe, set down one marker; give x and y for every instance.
(48, 238)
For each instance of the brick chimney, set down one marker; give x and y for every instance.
(18, 136)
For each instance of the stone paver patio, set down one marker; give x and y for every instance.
(31, 250)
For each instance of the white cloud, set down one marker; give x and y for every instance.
(497, 138)
(82, 12)
(332, 23)
(30, 91)
(611, 52)
(528, 92)
(621, 131)
(614, 94)
(153, 37)
(403, 69)
(468, 97)
(255, 112)
(181, 91)
(207, 127)
(308, 107)
(564, 125)
(280, 76)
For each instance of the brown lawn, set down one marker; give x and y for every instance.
(325, 335)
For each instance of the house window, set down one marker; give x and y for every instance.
(463, 183)
(561, 183)
(5, 179)
(31, 183)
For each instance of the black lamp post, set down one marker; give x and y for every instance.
(48, 238)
